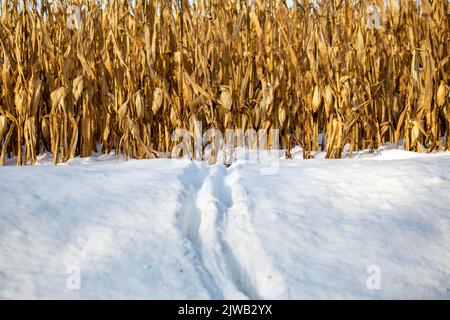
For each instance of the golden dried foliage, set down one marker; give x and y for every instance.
(135, 71)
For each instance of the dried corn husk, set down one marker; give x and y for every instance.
(157, 100)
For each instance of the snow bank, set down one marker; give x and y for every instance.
(175, 229)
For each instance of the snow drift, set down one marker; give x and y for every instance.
(175, 229)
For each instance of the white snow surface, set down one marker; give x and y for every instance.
(180, 229)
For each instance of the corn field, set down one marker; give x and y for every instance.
(135, 71)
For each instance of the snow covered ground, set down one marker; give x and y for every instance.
(374, 226)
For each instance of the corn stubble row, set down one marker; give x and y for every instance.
(133, 73)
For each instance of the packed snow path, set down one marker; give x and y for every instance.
(216, 218)
(171, 229)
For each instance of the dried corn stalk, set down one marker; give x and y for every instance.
(135, 71)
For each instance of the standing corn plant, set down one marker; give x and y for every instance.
(132, 72)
